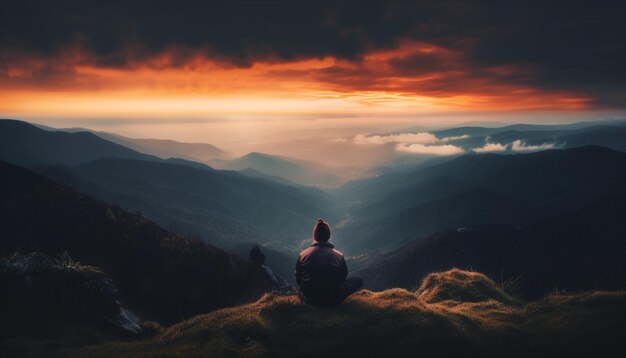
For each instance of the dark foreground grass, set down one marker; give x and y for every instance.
(454, 313)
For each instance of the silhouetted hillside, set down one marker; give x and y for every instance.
(165, 148)
(452, 314)
(529, 136)
(222, 207)
(613, 137)
(159, 273)
(467, 130)
(581, 250)
(162, 148)
(24, 144)
(476, 190)
(524, 127)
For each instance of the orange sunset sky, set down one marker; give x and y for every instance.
(241, 66)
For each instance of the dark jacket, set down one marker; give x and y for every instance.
(320, 270)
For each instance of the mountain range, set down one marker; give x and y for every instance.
(511, 139)
(26, 145)
(219, 206)
(477, 190)
(575, 251)
(394, 217)
(162, 148)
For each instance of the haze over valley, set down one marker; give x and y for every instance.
(267, 200)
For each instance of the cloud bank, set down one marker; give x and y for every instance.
(519, 146)
(405, 138)
(491, 147)
(516, 146)
(439, 150)
(415, 143)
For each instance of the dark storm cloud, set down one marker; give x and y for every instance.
(241, 31)
(423, 63)
(574, 46)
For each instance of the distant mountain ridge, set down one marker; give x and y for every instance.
(477, 130)
(295, 171)
(223, 207)
(510, 139)
(283, 170)
(24, 144)
(167, 148)
(162, 148)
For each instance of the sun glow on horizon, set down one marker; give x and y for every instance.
(380, 83)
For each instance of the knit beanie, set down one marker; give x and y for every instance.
(321, 231)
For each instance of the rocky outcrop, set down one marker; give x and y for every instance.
(36, 282)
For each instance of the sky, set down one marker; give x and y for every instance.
(240, 73)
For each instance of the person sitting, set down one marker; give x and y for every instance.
(321, 271)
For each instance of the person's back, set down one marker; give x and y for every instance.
(321, 271)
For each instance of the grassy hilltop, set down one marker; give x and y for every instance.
(452, 313)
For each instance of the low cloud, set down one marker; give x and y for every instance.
(405, 138)
(453, 138)
(516, 146)
(491, 147)
(519, 146)
(446, 149)
(427, 143)
(414, 143)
